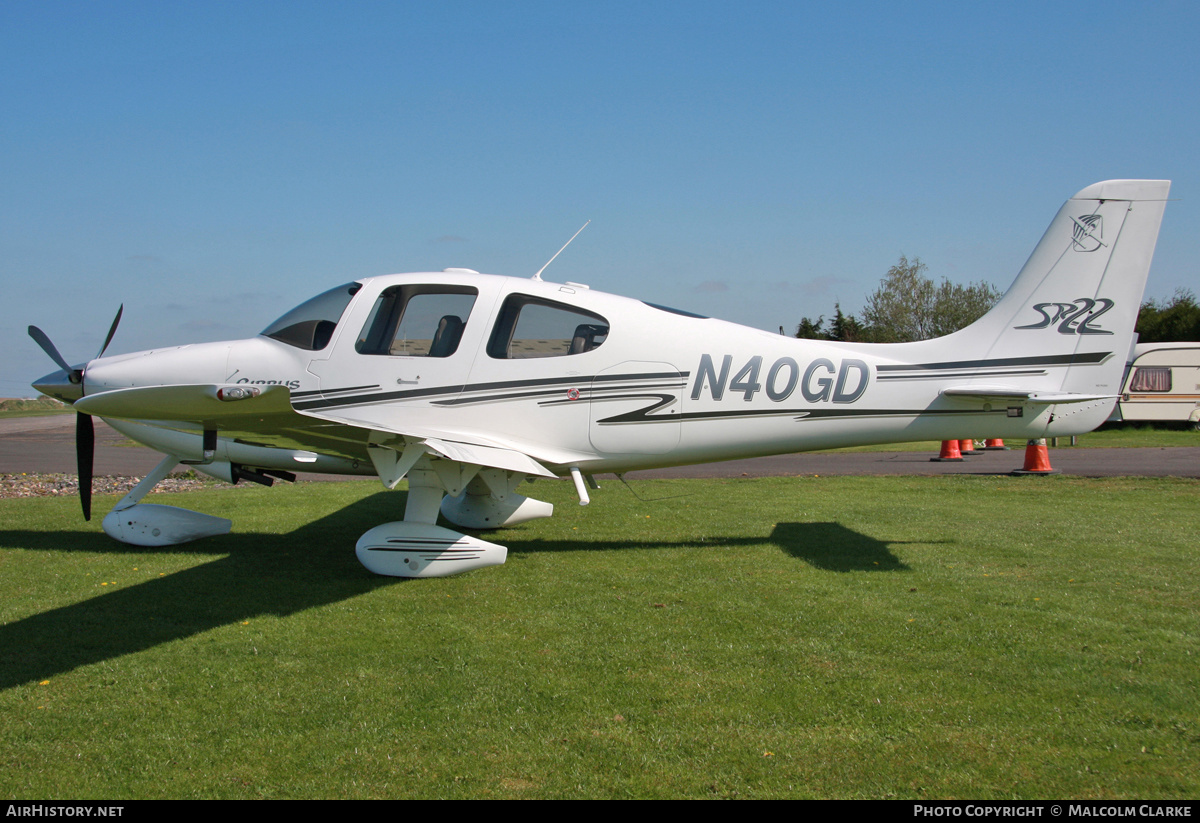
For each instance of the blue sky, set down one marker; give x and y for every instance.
(212, 164)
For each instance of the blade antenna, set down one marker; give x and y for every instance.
(538, 276)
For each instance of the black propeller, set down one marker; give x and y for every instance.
(42, 340)
(85, 433)
(85, 454)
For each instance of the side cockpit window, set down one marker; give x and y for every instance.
(530, 327)
(417, 321)
(310, 325)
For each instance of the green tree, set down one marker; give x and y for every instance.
(810, 330)
(908, 305)
(1173, 321)
(844, 327)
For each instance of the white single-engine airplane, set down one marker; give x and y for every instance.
(468, 384)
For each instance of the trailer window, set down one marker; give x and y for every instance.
(1151, 378)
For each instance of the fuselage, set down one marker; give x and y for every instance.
(572, 376)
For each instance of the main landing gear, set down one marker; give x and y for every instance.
(479, 498)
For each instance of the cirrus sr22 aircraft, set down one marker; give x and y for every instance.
(468, 384)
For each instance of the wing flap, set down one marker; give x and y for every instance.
(488, 457)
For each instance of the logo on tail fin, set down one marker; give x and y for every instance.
(1077, 317)
(1088, 232)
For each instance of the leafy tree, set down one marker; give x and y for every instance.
(809, 330)
(956, 306)
(908, 306)
(1173, 321)
(844, 327)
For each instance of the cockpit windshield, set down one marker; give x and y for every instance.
(310, 325)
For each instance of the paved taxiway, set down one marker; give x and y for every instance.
(47, 444)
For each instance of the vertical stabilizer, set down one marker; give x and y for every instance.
(1072, 309)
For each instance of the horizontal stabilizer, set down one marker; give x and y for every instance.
(1031, 396)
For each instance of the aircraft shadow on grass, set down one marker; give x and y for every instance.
(282, 574)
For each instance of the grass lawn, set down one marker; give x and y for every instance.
(31, 407)
(926, 637)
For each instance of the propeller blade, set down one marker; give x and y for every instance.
(42, 340)
(85, 443)
(111, 331)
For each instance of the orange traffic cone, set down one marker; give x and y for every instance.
(996, 445)
(967, 447)
(948, 454)
(1037, 459)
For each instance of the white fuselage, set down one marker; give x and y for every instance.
(661, 389)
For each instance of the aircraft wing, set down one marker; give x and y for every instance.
(214, 406)
(210, 406)
(462, 446)
(217, 406)
(1030, 395)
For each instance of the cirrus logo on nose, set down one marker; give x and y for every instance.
(291, 384)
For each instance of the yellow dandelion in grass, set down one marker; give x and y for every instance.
(44, 683)
(768, 754)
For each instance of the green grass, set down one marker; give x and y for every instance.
(970, 637)
(31, 407)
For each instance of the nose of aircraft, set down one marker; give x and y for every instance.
(61, 384)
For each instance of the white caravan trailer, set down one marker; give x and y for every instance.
(1163, 383)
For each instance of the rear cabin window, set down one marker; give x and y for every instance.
(530, 327)
(1151, 378)
(417, 321)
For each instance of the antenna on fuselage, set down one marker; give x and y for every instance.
(538, 276)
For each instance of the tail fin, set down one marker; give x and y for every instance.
(1069, 316)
